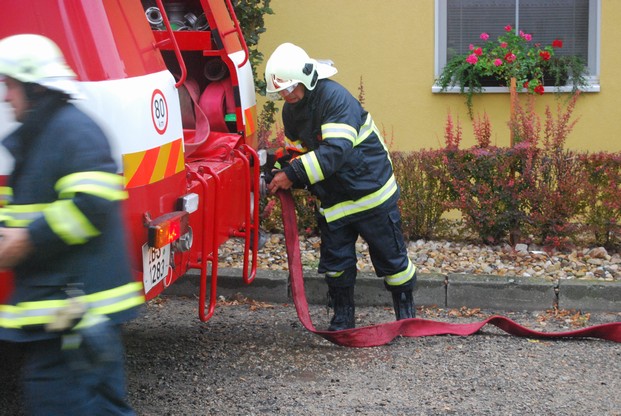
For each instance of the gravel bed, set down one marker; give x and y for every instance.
(448, 257)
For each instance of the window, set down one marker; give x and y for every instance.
(460, 22)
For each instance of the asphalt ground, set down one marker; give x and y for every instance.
(255, 358)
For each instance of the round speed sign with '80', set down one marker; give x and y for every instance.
(159, 111)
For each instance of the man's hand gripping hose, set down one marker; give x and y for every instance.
(380, 334)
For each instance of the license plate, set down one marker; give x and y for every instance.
(155, 265)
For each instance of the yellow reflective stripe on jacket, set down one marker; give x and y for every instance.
(346, 208)
(69, 223)
(401, 277)
(8, 316)
(366, 130)
(21, 215)
(6, 195)
(295, 146)
(44, 311)
(312, 167)
(90, 320)
(63, 217)
(102, 184)
(116, 300)
(381, 139)
(345, 131)
(339, 131)
(37, 313)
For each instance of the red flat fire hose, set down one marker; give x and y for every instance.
(380, 334)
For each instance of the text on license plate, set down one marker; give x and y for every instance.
(155, 265)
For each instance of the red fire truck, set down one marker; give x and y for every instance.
(170, 82)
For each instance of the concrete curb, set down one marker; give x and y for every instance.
(445, 291)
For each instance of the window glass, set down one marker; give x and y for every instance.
(546, 20)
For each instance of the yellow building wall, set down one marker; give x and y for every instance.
(389, 45)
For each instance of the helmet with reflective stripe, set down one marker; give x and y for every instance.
(289, 64)
(36, 59)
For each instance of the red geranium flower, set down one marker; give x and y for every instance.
(472, 59)
(510, 57)
(545, 55)
(513, 55)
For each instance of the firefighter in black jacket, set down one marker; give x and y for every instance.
(61, 234)
(336, 150)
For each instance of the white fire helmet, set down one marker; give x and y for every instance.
(36, 59)
(289, 64)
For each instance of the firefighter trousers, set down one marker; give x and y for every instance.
(381, 230)
(87, 379)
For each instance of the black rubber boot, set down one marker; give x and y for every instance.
(342, 300)
(403, 304)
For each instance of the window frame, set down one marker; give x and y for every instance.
(594, 41)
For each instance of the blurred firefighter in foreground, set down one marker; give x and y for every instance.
(61, 234)
(336, 150)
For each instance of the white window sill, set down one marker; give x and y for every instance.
(593, 87)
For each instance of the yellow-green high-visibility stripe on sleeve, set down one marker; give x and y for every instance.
(401, 277)
(312, 167)
(375, 199)
(21, 215)
(6, 195)
(338, 131)
(69, 223)
(102, 184)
